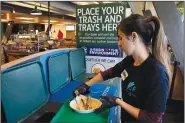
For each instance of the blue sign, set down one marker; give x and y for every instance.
(105, 51)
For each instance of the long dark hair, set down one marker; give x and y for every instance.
(150, 34)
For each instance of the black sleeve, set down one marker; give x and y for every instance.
(157, 98)
(117, 69)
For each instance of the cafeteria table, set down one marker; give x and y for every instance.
(66, 114)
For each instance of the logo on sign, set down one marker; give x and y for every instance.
(85, 49)
(104, 51)
(96, 68)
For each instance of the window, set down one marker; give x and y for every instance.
(180, 9)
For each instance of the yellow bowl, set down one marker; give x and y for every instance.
(94, 104)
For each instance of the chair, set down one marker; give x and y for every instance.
(23, 91)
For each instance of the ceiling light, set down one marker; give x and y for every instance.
(44, 23)
(35, 11)
(59, 24)
(96, 2)
(81, 3)
(107, 2)
(52, 21)
(4, 20)
(73, 15)
(27, 21)
(67, 23)
(24, 18)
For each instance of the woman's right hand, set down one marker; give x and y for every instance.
(82, 89)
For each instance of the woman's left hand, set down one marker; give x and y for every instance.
(108, 102)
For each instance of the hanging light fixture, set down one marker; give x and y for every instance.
(12, 9)
(35, 11)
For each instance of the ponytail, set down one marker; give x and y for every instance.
(159, 44)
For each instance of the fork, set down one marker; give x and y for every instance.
(77, 94)
(87, 105)
(77, 104)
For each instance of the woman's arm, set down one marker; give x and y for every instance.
(133, 111)
(140, 114)
(96, 79)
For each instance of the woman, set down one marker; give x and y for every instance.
(145, 76)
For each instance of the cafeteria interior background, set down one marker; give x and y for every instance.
(23, 34)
